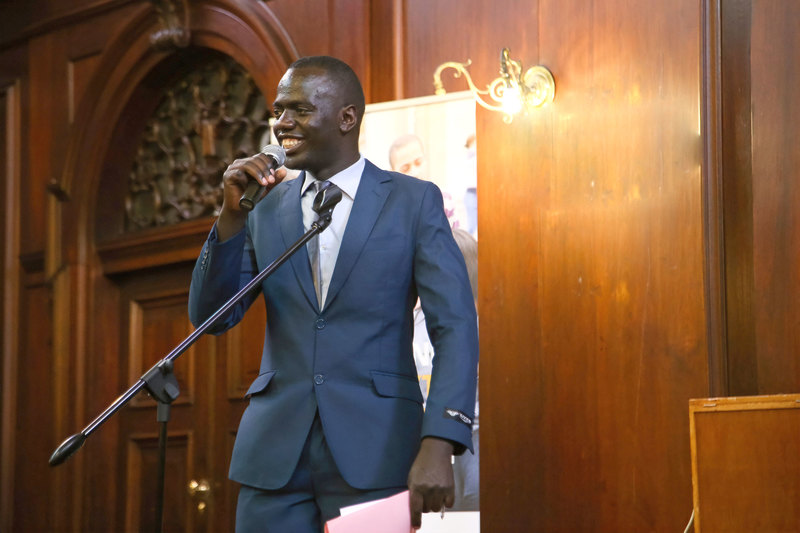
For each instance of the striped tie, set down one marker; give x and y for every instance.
(313, 248)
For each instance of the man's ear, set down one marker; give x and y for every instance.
(348, 118)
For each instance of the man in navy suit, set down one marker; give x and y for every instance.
(335, 416)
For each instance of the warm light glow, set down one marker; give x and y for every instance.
(512, 101)
(513, 91)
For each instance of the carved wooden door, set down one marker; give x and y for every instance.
(159, 192)
(151, 319)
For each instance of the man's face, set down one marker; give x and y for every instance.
(409, 159)
(308, 115)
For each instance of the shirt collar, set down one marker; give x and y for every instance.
(347, 180)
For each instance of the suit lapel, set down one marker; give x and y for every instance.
(291, 222)
(371, 195)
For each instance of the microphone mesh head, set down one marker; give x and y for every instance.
(276, 152)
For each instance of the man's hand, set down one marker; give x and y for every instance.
(430, 480)
(235, 178)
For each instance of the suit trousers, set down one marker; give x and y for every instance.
(313, 495)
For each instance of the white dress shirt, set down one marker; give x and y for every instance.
(331, 238)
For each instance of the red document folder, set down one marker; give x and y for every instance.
(389, 515)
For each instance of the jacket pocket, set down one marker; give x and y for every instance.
(260, 384)
(396, 386)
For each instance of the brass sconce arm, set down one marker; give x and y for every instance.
(512, 91)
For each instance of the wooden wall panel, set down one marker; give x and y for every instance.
(157, 321)
(775, 72)
(745, 466)
(8, 103)
(141, 477)
(513, 374)
(23, 20)
(35, 422)
(758, 60)
(331, 27)
(737, 193)
(591, 259)
(103, 381)
(10, 159)
(47, 127)
(79, 74)
(455, 30)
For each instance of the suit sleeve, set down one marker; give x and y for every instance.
(221, 270)
(446, 296)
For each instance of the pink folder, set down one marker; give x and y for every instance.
(389, 515)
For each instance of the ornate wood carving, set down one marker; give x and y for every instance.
(208, 118)
(174, 18)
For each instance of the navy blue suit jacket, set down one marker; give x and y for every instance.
(353, 360)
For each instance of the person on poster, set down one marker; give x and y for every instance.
(407, 156)
(335, 415)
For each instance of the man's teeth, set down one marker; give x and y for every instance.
(290, 143)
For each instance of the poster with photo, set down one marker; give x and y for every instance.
(432, 138)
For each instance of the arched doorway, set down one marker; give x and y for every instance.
(130, 234)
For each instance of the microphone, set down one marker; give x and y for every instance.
(252, 193)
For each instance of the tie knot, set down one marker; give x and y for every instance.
(320, 185)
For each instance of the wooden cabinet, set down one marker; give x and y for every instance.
(746, 464)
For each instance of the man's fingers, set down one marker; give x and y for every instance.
(436, 500)
(415, 502)
(256, 167)
(450, 499)
(257, 170)
(430, 479)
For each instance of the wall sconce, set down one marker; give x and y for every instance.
(513, 91)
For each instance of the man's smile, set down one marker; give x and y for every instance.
(290, 144)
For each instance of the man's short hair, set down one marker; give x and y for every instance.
(339, 71)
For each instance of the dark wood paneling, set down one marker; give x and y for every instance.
(775, 73)
(146, 317)
(737, 192)
(47, 127)
(7, 108)
(103, 381)
(384, 80)
(714, 202)
(142, 479)
(331, 27)
(35, 421)
(80, 71)
(10, 108)
(157, 321)
(512, 366)
(458, 30)
(349, 30)
(592, 315)
(20, 21)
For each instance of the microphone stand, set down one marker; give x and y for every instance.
(161, 383)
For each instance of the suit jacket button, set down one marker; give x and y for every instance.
(319, 379)
(320, 323)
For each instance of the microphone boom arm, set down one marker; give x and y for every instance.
(74, 442)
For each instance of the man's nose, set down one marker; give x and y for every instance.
(283, 122)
